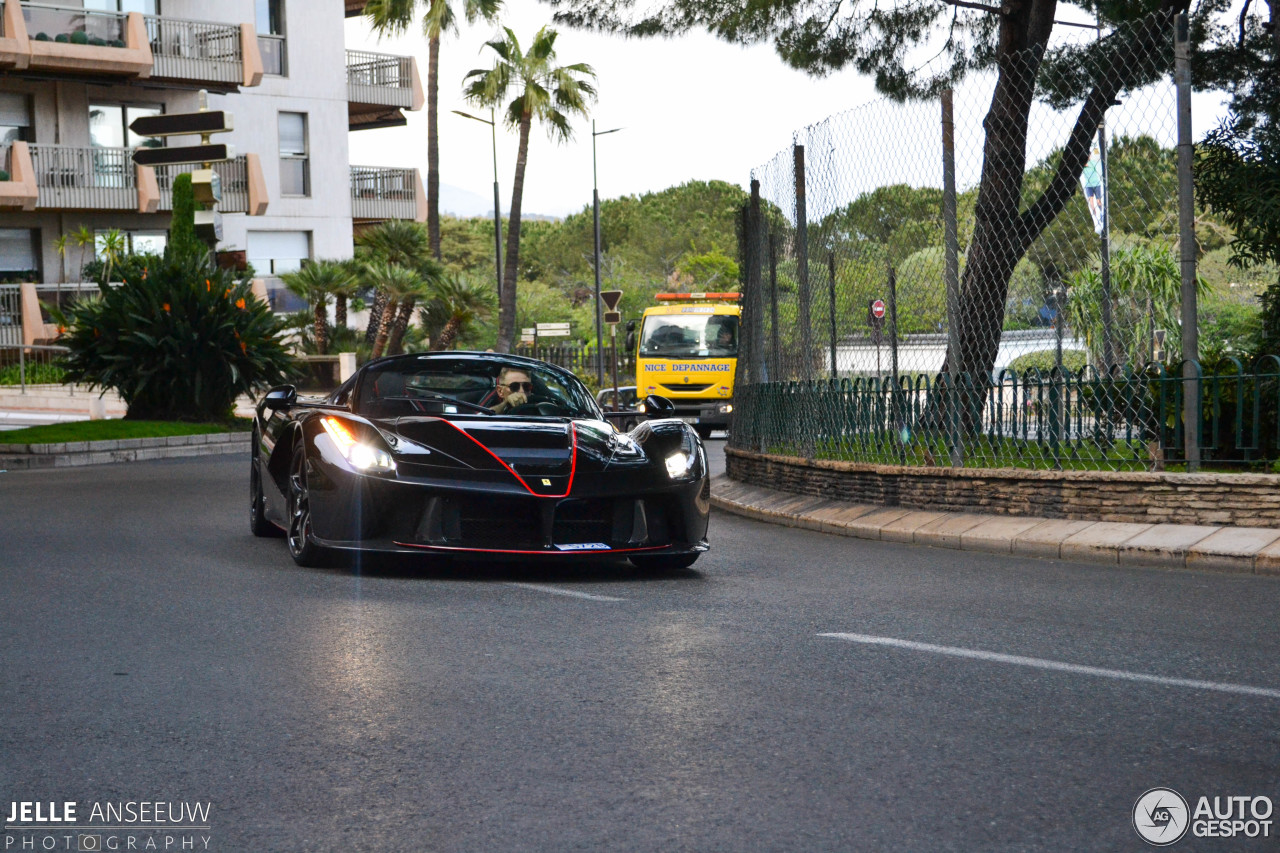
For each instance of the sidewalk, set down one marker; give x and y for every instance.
(1248, 550)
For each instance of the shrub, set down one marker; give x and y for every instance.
(97, 41)
(37, 373)
(79, 37)
(116, 43)
(4, 176)
(182, 226)
(62, 38)
(42, 37)
(1044, 360)
(178, 340)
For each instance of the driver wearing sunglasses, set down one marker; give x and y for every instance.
(515, 387)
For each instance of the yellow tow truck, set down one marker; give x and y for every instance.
(687, 351)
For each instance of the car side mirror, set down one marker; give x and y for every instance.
(657, 406)
(280, 397)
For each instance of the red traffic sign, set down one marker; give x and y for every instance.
(877, 309)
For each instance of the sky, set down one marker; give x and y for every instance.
(690, 108)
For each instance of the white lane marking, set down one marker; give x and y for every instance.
(1059, 666)
(555, 590)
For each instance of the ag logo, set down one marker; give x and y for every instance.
(1160, 816)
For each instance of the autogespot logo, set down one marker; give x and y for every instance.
(1160, 816)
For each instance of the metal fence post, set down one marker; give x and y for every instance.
(1187, 247)
(951, 241)
(831, 281)
(802, 268)
(22, 370)
(775, 365)
(755, 284)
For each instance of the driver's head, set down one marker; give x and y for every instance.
(724, 337)
(512, 380)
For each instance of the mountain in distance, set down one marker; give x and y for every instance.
(464, 204)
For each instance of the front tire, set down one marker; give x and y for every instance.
(302, 548)
(663, 562)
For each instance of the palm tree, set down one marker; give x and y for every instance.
(543, 91)
(398, 242)
(394, 17)
(343, 293)
(459, 302)
(430, 273)
(396, 282)
(315, 282)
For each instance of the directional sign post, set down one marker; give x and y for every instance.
(205, 183)
(875, 319)
(613, 317)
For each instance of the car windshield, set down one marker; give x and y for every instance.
(690, 335)
(441, 386)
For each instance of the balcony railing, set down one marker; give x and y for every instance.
(74, 25)
(272, 49)
(195, 50)
(380, 78)
(73, 178)
(383, 193)
(235, 184)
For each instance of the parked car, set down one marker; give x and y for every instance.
(410, 456)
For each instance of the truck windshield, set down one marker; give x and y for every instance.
(690, 335)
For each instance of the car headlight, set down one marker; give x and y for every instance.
(361, 455)
(726, 408)
(679, 464)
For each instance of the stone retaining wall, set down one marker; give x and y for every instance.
(1246, 500)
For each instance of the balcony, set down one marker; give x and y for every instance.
(379, 86)
(99, 178)
(244, 190)
(355, 7)
(89, 43)
(378, 194)
(220, 56)
(18, 189)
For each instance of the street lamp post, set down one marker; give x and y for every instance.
(497, 210)
(595, 203)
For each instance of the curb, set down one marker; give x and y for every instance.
(1233, 550)
(78, 453)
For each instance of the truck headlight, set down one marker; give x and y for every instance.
(361, 455)
(725, 408)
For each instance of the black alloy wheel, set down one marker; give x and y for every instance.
(301, 546)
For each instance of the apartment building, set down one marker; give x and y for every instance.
(74, 76)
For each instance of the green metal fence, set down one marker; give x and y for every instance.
(1122, 420)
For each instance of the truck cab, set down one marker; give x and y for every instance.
(687, 351)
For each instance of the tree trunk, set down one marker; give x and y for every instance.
(1002, 234)
(395, 345)
(433, 146)
(384, 325)
(339, 311)
(375, 316)
(448, 335)
(322, 339)
(507, 306)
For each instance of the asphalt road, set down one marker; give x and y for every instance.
(151, 649)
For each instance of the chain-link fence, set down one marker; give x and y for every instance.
(993, 277)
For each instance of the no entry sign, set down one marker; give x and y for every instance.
(877, 309)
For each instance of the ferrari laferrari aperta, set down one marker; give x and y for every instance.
(475, 454)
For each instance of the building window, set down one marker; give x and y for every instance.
(15, 118)
(295, 167)
(269, 21)
(19, 256)
(273, 253)
(109, 126)
(135, 242)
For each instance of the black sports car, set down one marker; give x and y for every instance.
(475, 454)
